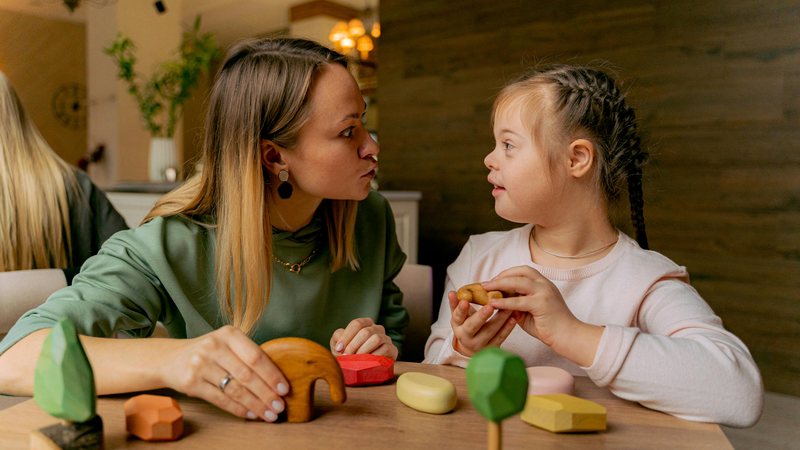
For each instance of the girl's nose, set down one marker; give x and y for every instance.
(488, 161)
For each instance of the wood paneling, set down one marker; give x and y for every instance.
(716, 85)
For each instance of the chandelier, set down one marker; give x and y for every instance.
(353, 36)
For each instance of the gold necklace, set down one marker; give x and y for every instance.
(583, 255)
(295, 267)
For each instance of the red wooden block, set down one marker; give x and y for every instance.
(363, 370)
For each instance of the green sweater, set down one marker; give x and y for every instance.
(164, 271)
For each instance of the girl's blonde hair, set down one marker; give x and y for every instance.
(562, 103)
(35, 184)
(261, 92)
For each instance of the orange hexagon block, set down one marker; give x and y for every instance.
(153, 418)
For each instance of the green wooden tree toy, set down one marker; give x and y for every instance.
(63, 386)
(498, 387)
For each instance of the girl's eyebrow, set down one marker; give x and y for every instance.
(505, 130)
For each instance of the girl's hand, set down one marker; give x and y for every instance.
(363, 336)
(541, 312)
(198, 368)
(474, 330)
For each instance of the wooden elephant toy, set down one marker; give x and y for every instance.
(303, 362)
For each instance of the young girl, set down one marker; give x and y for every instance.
(278, 236)
(584, 296)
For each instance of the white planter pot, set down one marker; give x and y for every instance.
(163, 156)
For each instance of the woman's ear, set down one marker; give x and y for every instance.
(581, 157)
(271, 157)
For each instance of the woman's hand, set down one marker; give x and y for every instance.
(540, 310)
(363, 336)
(474, 330)
(255, 386)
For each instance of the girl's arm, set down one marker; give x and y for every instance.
(192, 366)
(681, 360)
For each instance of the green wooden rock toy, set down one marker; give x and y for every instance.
(63, 386)
(498, 386)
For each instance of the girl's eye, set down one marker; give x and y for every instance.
(348, 132)
(507, 146)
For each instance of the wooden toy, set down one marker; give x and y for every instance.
(498, 385)
(63, 386)
(303, 362)
(549, 380)
(153, 417)
(562, 413)
(475, 293)
(426, 393)
(364, 370)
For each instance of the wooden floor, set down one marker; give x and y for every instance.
(779, 427)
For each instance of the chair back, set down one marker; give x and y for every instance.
(416, 283)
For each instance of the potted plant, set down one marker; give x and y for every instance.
(160, 98)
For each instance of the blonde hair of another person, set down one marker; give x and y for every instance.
(34, 184)
(260, 93)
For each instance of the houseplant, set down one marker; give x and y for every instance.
(160, 97)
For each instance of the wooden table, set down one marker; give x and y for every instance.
(373, 418)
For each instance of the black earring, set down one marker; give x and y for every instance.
(285, 188)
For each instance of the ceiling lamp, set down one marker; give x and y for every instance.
(352, 35)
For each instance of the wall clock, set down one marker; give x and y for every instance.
(69, 105)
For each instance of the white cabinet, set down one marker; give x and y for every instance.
(405, 204)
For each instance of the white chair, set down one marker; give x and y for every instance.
(23, 290)
(416, 283)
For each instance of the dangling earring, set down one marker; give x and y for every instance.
(285, 188)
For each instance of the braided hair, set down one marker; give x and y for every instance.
(587, 101)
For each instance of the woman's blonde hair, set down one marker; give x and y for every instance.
(261, 92)
(34, 197)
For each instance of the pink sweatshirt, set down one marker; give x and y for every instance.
(662, 345)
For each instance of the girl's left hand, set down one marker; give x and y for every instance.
(540, 310)
(361, 336)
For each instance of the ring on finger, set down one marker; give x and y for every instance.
(223, 383)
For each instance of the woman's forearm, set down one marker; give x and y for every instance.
(119, 365)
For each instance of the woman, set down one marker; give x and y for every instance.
(267, 241)
(52, 218)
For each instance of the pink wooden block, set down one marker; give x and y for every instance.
(549, 380)
(363, 370)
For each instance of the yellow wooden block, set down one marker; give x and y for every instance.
(561, 413)
(426, 393)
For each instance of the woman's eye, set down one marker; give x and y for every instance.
(348, 132)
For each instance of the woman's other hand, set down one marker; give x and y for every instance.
(254, 386)
(475, 329)
(363, 336)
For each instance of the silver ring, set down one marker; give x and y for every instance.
(223, 383)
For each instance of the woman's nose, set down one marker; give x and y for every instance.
(370, 148)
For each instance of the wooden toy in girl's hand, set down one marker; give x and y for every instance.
(153, 417)
(561, 413)
(475, 293)
(303, 362)
(364, 370)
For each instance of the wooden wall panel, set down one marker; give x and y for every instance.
(716, 85)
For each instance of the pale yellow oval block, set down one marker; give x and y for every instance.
(561, 413)
(426, 393)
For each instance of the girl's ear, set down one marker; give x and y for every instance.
(581, 157)
(271, 157)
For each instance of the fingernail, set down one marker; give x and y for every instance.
(339, 346)
(270, 416)
(277, 406)
(251, 415)
(282, 389)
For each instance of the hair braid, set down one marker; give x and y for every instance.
(589, 100)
